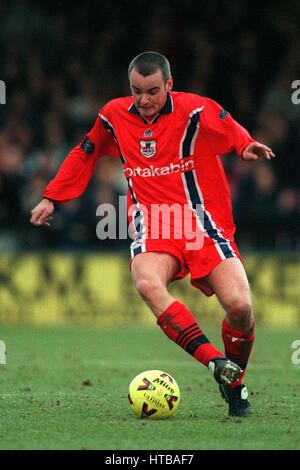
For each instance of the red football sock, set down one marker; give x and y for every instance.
(238, 345)
(181, 327)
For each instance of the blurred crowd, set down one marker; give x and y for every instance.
(60, 65)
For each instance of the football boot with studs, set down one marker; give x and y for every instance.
(224, 371)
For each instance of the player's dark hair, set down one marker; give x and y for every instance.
(148, 63)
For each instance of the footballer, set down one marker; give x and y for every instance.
(169, 145)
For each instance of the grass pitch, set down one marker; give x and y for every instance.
(66, 388)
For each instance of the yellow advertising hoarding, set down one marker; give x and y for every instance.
(96, 288)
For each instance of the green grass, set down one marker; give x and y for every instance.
(66, 388)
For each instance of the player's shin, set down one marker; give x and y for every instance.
(180, 326)
(238, 346)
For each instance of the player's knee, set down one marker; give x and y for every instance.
(240, 312)
(148, 287)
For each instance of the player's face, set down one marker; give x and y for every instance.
(149, 93)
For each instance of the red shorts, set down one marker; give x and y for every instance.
(198, 262)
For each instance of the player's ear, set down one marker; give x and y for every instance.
(169, 84)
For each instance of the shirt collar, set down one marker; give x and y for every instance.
(166, 109)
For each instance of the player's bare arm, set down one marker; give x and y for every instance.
(41, 214)
(256, 150)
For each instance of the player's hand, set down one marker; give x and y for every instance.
(41, 214)
(255, 151)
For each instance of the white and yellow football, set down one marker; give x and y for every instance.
(153, 394)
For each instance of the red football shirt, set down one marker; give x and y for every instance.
(171, 160)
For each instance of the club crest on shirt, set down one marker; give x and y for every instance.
(148, 148)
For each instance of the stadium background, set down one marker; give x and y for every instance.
(60, 65)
